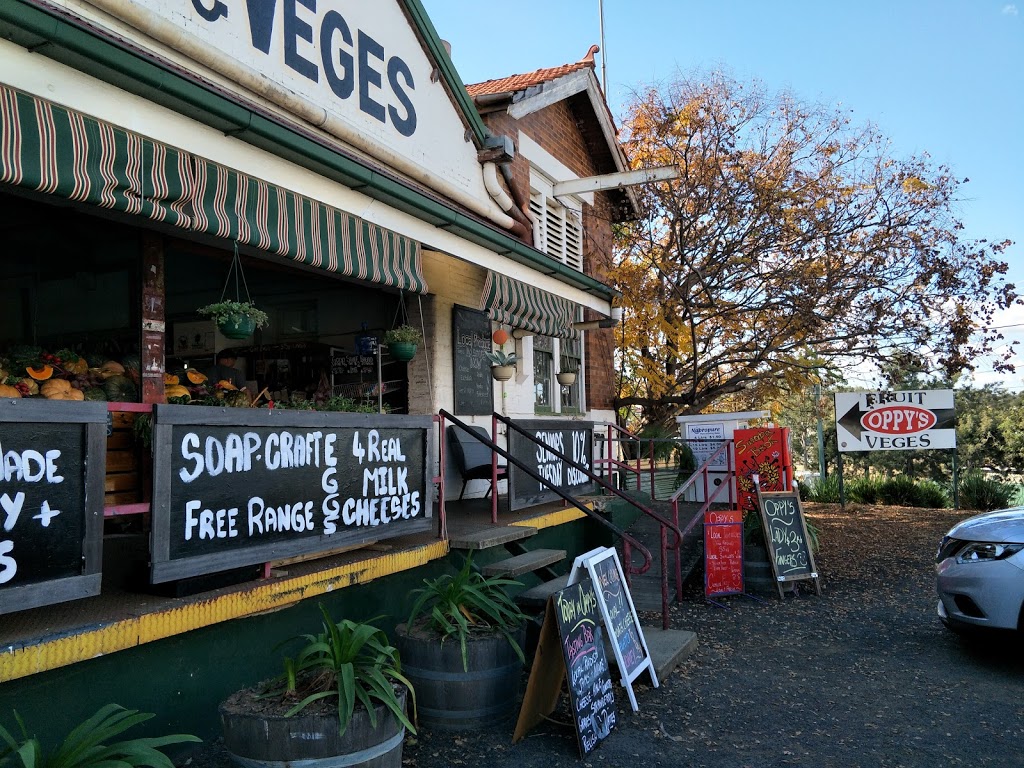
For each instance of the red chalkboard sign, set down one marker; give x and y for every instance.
(723, 559)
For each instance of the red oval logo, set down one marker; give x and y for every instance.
(898, 420)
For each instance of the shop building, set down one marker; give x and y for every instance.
(326, 161)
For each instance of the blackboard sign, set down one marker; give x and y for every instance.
(52, 458)
(471, 340)
(723, 559)
(590, 686)
(346, 363)
(785, 533)
(573, 439)
(240, 486)
(619, 614)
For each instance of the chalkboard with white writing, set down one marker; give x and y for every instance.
(785, 533)
(573, 439)
(590, 685)
(237, 486)
(52, 457)
(471, 341)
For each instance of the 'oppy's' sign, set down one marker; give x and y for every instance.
(238, 487)
(895, 420)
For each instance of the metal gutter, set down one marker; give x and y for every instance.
(128, 68)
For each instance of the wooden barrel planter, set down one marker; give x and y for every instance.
(267, 739)
(757, 569)
(449, 697)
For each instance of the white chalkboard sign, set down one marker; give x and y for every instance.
(619, 614)
(241, 486)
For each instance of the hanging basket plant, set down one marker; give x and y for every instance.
(503, 364)
(235, 318)
(403, 342)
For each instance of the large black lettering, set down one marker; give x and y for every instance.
(216, 11)
(369, 76)
(261, 22)
(295, 29)
(404, 125)
(342, 85)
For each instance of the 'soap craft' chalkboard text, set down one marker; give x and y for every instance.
(241, 495)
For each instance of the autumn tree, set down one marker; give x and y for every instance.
(793, 242)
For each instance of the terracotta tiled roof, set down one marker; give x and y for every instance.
(522, 82)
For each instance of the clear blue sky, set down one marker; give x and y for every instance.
(939, 76)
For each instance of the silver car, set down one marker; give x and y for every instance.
(980, 567)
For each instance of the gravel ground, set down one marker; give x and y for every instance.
(864, 675)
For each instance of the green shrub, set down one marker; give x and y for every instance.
(931, 495)
(899, 491)
(862, 490)
(824, 491)
(978, 492)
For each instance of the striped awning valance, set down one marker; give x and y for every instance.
(520, 305)
(56, 151)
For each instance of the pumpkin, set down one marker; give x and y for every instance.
(111, 368)
(196, 377)
(225, 384)
(78, 367)
(31, 385)
(42, 373)
(6, 390)
(95, 393)
(500, 336)
(55, 389)
(170, 379)
(176, 390)
(74, 394)
(120, 389)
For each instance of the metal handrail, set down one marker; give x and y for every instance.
(615, 463)
(664, 523)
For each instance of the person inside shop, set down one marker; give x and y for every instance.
(225, 369)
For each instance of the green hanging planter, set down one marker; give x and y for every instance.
(403, 351)
(237, 327)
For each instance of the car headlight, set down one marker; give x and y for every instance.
(981, 552)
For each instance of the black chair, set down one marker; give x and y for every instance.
(471, 457)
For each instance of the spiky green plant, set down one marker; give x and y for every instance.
(350, 662)
(466, 603)
(89, 744)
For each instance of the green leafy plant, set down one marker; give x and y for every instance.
(501, 357)
(351, 662)
(468, 603)
(978, 492)
(233, 312)
(89, 744)
(403, 334)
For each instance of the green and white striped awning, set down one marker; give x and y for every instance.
(57, 151)
(520, 305)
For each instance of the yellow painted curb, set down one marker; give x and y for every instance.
(551, 519)
(54, 653)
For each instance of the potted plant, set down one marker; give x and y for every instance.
(462, 647)
(235, 319)
(568, 368)
(89, 744)
(503, 364)
(403, 341)
(340, 701)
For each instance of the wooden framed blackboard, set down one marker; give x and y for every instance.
(723, 559)
(571, 643)
(52, 461)
(471, 340)
(241, 486)
(574, 439)
(619, 614)
(590, 686)
(785, 534)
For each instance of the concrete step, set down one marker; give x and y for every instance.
(668, 647)
(536, 597)
(488, 536)
(526, 563)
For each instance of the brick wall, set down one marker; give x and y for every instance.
(555, 129)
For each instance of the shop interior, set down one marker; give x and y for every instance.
(70, 280)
